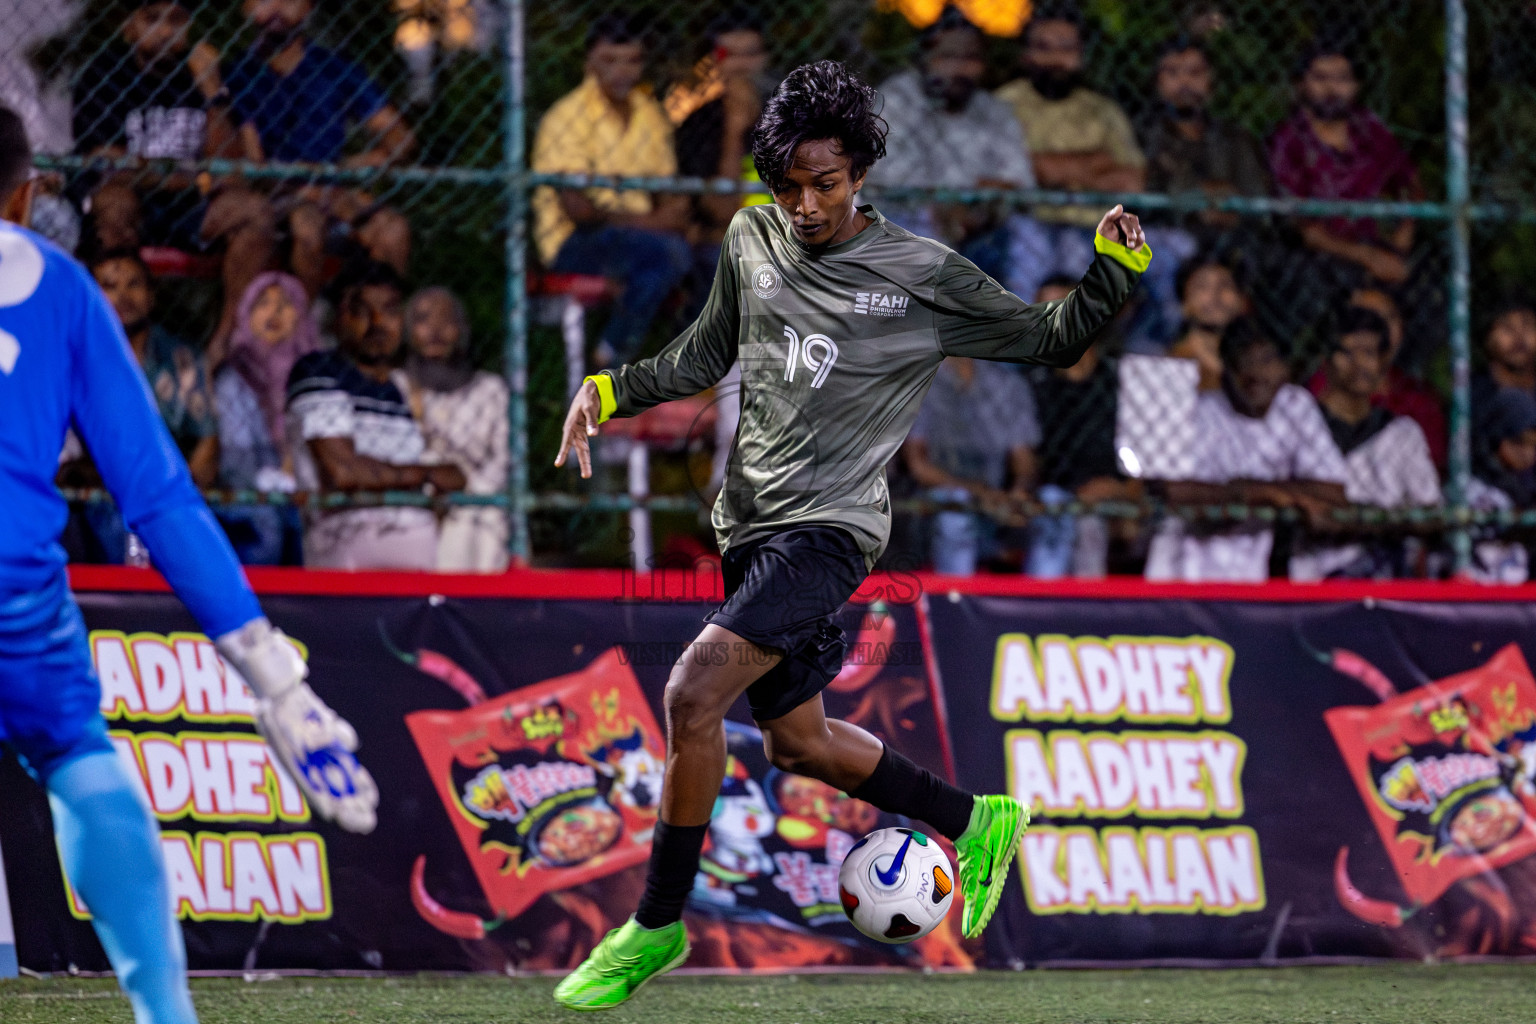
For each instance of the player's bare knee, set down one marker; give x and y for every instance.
(692, 710)
(799, 755)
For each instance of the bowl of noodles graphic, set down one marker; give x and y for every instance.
(1482, 821)
(576, 833)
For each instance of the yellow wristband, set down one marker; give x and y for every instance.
(1136, 260)
(605, 395)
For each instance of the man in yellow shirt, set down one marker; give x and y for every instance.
(1079, 141)
(610, 124)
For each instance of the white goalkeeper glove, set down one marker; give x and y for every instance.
(313, 743)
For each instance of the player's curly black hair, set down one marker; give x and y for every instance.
(823, 100)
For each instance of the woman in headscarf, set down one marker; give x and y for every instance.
(463, 415)
(273, 328)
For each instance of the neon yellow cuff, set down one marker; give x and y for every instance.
(1137, 260)
(605, 395)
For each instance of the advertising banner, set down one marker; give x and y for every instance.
(1249, 780)
(1211, 780)
(518, 752)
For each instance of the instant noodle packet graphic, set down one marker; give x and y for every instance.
(551, 785)
(1446, 772)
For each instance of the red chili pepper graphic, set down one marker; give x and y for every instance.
(439, 666)
(458, 923)
(1356, 667)
(1366, 908)
(877, 632)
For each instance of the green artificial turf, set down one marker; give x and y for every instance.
(1409, 993)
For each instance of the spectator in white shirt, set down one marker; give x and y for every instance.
(463, 417)
(1387, 456)
(1260, 440)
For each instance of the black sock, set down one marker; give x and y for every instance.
(674, 863)
(902, 787)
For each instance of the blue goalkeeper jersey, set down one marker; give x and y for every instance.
(64, 360)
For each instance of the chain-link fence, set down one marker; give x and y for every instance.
(559, 168)
(203, 148)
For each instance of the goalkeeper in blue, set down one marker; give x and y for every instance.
(64, 361)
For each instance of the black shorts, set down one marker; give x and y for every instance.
(781, 592)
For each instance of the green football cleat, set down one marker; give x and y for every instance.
(628, 957)
(986, 850)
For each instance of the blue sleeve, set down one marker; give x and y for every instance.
(244, 100)
(116, 415)
(362, 97)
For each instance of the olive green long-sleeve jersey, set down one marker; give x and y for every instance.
(838, 346)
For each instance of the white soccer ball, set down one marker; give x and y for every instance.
(896, 885)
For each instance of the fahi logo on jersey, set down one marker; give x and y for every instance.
(880, 303)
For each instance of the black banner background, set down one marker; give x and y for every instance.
(1300, 798)
(504, 644)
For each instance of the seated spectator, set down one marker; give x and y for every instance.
(156, 96)
(1503, 478)
(1077, 458)
(27, 87)
(463, 417)
(1386, 455)
(1209, 300)
(610, 125)
(295, 102)
(1079, 140)
(350, 429)
(945, 132)
(1331, 147)
(1510, 346)
(712, 139)
(975, 434)
(1190, 150)
(273, 330)
(1259, 440)
(175, 371)
(176, 376)
(40, 97)
(1401, 393)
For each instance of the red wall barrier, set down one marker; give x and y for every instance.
(899, 588)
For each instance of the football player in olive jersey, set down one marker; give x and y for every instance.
(839, 319)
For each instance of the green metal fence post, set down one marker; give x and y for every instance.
(1458, 280)
(515, 158)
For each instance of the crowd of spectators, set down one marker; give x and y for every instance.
(321, 371)
(324, 372)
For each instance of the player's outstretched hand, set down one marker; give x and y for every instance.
(315, 745)
(1122, 227)
(580, 424)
